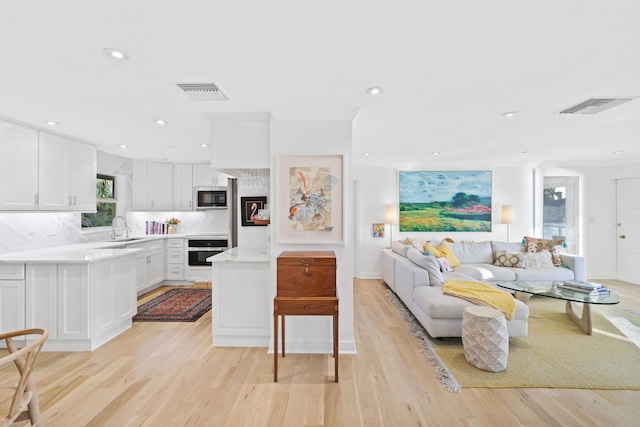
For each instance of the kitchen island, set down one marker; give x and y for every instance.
(82, 294)
(242, 299)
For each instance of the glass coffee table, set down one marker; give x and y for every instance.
(524, 289)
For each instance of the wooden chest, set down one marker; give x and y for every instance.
(306, 286)
(306, 274)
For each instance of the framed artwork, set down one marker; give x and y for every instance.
(445, 201)
(249, 207)
(310, 200)
(378, 230)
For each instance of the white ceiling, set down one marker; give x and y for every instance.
(449, 69)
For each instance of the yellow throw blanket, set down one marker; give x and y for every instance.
(481, 294)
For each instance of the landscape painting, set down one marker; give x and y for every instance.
(445, 201)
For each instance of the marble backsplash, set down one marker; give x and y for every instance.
(21, 231)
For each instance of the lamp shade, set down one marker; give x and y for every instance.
(390, 215)
(507, 216)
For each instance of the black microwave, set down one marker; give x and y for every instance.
(210, 197)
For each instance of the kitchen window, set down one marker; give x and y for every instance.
(106, 203)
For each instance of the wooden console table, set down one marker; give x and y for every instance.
(306, 286)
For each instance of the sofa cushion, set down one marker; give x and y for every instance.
(429, 263)
(485, 272)
(510, 259)
(400, 248)
(510, 247)
(439, 306)
(473, 252)
(552, 273)
(447, 252)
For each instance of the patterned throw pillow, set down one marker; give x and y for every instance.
(555, 247)
(444, 265)
(509, 259)
(416, 243)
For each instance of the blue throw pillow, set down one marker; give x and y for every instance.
(427, 253)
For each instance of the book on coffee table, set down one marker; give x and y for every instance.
(584, 287)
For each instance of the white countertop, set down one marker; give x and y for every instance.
(67, 255)
(240, 255)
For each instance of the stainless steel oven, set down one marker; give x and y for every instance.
(202, 248)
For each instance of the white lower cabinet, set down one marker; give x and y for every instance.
(149, 265)
(11, 297)
(83, 305)
(175, 259)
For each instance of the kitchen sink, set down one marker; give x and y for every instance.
(129, 239)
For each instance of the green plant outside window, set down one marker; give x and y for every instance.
(105, 204)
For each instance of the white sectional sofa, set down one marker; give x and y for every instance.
(416, 279)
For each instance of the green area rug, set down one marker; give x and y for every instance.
(556, 354)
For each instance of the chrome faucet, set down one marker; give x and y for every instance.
(117, 231)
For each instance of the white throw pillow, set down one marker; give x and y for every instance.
(539, 260)
(444, 265)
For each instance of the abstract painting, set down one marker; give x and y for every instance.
(445, 201)
(310, 199)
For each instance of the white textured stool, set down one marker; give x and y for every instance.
(485, 338)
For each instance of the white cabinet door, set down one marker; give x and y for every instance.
(18, 167)
(53, 179)
(104, 310)
(41, 296)
(152, 186)
(204, 176)
(73, 302)
(83, 177)
(139, 185)
(125, 289)
(12, 305)
(67, 175)
(155, 267)
(183, 187)
(160, 186)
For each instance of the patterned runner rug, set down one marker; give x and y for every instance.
(176, 305)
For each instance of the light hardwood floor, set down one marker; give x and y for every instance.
(168, 374)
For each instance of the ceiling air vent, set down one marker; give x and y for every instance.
(594, 105)
(204, 91)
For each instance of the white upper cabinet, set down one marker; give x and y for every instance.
(204, 176)
(18, 167)
(67, 175)
(183, 187)
(152, 186)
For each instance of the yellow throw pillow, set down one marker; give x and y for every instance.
(436, 253)
(448, 254)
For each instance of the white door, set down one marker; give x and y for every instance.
(628, 230)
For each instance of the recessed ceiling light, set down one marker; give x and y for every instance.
(435, 153)
(51, 123)
(374, 90)
(618, 152)
(115, 54)
(366, 154)
(122, 146)
(509, 114)
(160, 122)
(204, 145)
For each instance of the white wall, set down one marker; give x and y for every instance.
(379, 187)
(313, 334)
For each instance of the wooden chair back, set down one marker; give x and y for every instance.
(20, 402)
